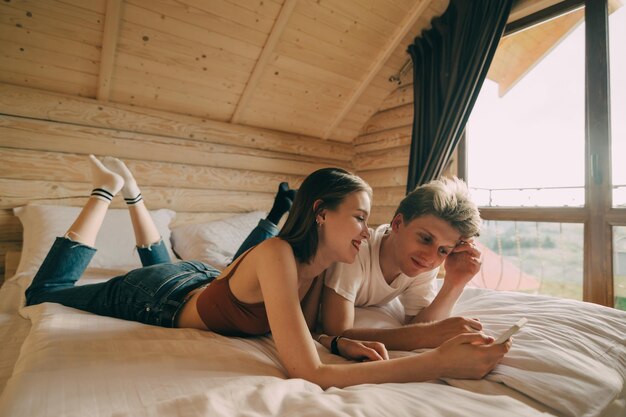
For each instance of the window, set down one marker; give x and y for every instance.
(617, 34)
(533, 168)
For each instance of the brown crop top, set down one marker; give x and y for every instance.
(223, 313)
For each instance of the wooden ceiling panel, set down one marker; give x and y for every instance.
(55, 18)
(312, 67)
(50, 45)
(198, 22)
(190, 34)
(163, 93)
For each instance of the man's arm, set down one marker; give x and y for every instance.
(338, 320)
(461, 266)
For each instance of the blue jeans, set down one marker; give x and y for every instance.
(264, 230)
(152, 295)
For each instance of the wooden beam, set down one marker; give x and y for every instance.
(598, 264)
(268, 50)
(406, 25)
(523, 8)
(109, 45)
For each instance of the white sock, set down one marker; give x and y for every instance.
(130, 191)
(105, 183)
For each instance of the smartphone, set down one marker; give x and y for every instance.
(511, 331)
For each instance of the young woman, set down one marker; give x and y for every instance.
(271, 287)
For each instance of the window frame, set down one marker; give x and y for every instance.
(598, 214)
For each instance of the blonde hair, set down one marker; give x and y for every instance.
(447, 198)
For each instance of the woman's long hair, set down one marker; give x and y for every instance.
(331, 186)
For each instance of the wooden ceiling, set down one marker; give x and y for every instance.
(313, 67)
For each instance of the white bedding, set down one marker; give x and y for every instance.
(569, 360)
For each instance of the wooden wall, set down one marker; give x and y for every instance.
(200, 168)
(382, 153)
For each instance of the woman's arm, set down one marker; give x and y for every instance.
(465, 356)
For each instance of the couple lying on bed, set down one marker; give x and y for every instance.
(276, 287)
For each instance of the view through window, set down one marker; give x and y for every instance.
(617, 34)
(526, 148)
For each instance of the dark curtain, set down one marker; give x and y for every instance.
(450, 63)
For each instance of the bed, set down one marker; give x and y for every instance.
(569, 360)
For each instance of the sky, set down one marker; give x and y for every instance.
(534, 135)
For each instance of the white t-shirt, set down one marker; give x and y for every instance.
(362, 282)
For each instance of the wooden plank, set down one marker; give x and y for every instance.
(44, 83)
(15, 193)
(178, 53)
(316, 100)
(53, 166)
(109, 45)
(184, 218)
(169, 76)
(12, 260)
(57, 23)
(12, 50)
(197, 18)
(378, 63)
(545, 214)
(326, 17)
(333, 34)
(388, 196)
(46, 75)
(25, 134)
(346, 62)
(10, 227)
(4, 248)
(81, 17)
(523, 8)
(386, 139)
(134, 13)
(386, 158)
(97, 6)
(387, 177)
(312, 72)
(253, 14)
(399, 97)
(381, 215)
(22, 101)
(148, 92)
(353, 9)
(49, 42)
(319, 57)
(263, 61)
(389, 119)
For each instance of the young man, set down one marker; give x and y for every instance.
(434, 223)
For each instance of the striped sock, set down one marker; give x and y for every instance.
(106, 183)
(130, 191)
(131, 201)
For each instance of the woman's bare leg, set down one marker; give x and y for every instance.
(146, 232)
(106, 184)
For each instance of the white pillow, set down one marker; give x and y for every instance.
(115, 242)
(216, 242)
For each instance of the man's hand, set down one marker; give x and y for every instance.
(359, 350)
(432, 335)
(462, 264)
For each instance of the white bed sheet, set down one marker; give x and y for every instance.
(569, 360)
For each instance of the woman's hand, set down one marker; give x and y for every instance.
(359, 350)
(471, 355)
